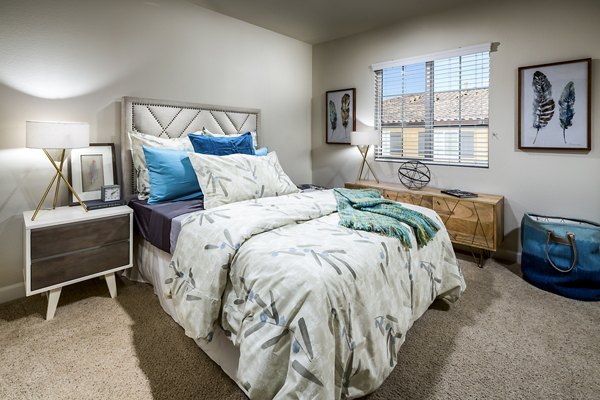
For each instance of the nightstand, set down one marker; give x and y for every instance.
(68, 245)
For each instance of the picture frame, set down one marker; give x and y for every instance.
(555, 106)
(90, 168)
(340, 115)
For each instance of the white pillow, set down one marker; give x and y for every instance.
(238, 177)
(137, 141)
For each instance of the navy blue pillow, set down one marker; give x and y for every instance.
(172, 176)
(223, 145)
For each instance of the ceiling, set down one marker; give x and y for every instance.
(317, 21)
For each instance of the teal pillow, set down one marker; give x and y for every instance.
(222, 145)
(263, 151)
(172, 176)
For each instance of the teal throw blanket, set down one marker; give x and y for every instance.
(366, 210)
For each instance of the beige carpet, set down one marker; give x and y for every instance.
(503, 340)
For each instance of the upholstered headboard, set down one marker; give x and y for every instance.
(171, 119)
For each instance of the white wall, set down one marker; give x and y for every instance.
(529, 32)
(73, 60)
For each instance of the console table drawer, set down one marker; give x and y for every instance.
(56, 240)
(405, 197)
(54, 270)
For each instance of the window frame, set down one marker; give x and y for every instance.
(430, 125)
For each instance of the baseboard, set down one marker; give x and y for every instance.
(500, 254)
(12, 292)
(508, 255)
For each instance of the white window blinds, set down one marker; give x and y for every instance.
(434, 108)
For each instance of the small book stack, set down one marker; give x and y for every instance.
(96, 204)
(459, 193)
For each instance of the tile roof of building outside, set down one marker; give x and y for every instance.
(475, 103)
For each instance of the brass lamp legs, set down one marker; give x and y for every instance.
(62, 159)
(364, 161)
(60, 176)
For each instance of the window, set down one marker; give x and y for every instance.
(434, 108)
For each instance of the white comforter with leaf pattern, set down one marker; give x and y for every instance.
(318, 311)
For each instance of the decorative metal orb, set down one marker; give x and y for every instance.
(414, 174)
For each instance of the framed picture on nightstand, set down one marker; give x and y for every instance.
(91, 168)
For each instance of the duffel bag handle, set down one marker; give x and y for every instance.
(569, 240)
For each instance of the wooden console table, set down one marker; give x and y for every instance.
(473, 222)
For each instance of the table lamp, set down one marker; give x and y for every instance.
(363, 140)
(61, 136)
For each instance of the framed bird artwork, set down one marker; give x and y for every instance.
(340, 115)
(555, 106)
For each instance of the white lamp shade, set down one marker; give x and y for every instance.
(57, 135)
(364, 138)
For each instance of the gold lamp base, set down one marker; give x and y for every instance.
(60, 176)
(364, 150)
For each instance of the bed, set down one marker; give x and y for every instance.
(285, 300)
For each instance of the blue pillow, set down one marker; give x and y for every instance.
(262, 151)
(172, 176)
(223, 145)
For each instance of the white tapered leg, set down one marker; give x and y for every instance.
(112, 284)
(53, 296)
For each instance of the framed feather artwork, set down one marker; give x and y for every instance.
(340, 115)
(555, 106)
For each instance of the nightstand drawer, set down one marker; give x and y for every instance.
(47, 242)
(63, 268)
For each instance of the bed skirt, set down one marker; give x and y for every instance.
(150, 266)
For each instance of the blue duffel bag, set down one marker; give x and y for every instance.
(561, 255)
